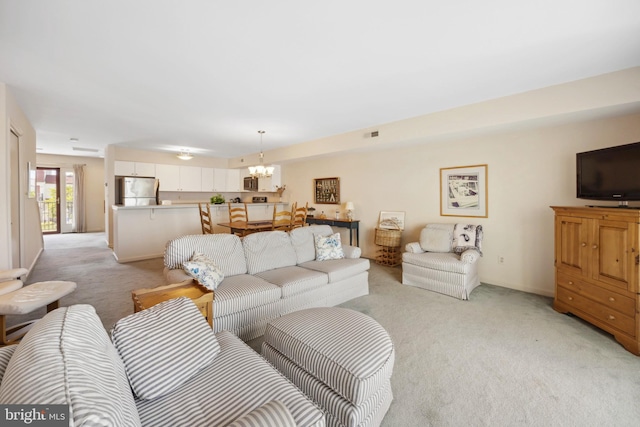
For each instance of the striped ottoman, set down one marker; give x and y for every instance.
(340, 358)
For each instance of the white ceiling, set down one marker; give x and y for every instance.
(207, 74)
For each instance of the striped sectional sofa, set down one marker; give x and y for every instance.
(137, 377)
(269, 274)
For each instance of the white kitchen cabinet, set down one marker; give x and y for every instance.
(269, 184)
(234, 183)
(126, 168)
(179, 178)
(207, 179)
(219, 180)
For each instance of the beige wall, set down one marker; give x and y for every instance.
(11, 116)
(528, 171)
(94, 185)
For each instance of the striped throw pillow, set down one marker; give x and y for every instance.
(162, 347)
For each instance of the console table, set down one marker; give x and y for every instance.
(353, 226)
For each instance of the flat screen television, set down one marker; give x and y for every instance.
(609, 173)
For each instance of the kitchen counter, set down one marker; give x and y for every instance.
(141, 232)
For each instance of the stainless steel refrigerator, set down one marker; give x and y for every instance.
(133, 191)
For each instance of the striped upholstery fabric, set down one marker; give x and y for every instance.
(453, 284)
(67, 358)
(354, 361)
(294, 280)
(348, 289)
(171, 338)
(346, 413)
(446, 261)
(303, 243)
(5, 355)
(374, 419)
(225, 250)
(268, 250)
(242, 292)
(313, 298)
(235, 321)
(271, 414)
(229, 397)
(339, 269)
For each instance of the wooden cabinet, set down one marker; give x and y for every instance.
(597, 260)
(179, 178)
(125, 168)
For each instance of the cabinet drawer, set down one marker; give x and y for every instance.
(600, 312)
(618, 302)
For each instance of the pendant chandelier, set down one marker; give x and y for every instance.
(261, 171)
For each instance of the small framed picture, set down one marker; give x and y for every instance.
(326, 191)
(463, 191)
(391, 220)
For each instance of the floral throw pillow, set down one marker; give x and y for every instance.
(328, 247)
(204, 270)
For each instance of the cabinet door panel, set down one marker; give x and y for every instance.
(571, 244)
(612, 252)
(190, 178)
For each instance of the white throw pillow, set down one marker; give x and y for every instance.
(435, 240)
(204, 270)
(329, 247)
(162, 347)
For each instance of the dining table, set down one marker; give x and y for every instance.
(246, 227)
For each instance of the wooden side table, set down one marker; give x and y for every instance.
(201, 296)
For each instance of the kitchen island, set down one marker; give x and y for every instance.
(141, 232)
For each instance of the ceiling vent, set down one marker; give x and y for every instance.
(93, 150)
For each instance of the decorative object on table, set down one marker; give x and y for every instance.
(327, 190)
(311, 211)
(388, 236)
(349, 208)
(280, 190)
(218, 199)
(261, 171)
(322, 215)
(463, 191)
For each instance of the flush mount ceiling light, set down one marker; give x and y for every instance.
(185, 155)
(261, 171)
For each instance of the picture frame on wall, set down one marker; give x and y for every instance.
(326, 191)
(391, 220)
(464, 191)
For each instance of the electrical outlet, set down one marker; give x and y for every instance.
(500, 260)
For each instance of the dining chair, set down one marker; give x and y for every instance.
(238, 214)
(205, 218)
(282, 220)
(299, 215)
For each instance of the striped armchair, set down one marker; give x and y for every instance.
(445, 260)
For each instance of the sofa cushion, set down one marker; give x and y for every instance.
(238, 381)
(294, 280)
(67, 358)
(448, 262)
(163, 346)
(223, 249)
(268, 250)
(328, 247)
(433, 239)
(204, 270)
(303, 242)
(242, 292)
(271, 414)
(339, 269)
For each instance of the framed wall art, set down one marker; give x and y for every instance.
(391, 220)
(327, 191)
(463, 191)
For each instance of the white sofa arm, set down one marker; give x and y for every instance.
(351, 251)
(414, 248)
(470, 256)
